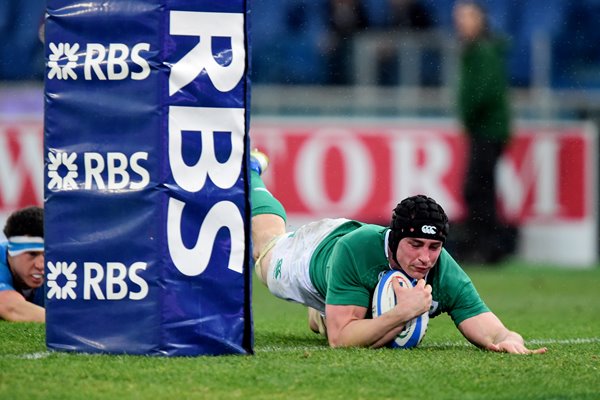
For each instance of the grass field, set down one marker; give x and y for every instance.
(550, 307)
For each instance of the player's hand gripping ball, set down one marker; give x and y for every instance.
(384, 299)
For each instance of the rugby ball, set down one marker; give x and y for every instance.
(384, 299)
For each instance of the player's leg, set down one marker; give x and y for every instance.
(268, 215)
(266, 229)
(268, 225)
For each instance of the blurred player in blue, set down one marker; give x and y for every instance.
(22, 267)
(333, 265)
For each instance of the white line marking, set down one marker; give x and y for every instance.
(27, 356)
(564, 341)
(575, 341)
(284, 349)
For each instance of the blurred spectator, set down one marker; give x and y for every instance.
(404, 16)
(344, 18)
(485, 115)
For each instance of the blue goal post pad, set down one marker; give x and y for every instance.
(147, 216)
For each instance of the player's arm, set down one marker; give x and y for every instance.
(347, 326)
(488, 332)
(14, 307)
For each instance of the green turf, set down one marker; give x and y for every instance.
(556, 308)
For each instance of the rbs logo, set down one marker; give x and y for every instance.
(113, 171)
(113, 281)
(221, 167)
(119, 61)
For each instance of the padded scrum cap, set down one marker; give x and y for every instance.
(419, 217)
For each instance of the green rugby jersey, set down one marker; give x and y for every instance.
(346, 266)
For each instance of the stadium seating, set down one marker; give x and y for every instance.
(287, 38)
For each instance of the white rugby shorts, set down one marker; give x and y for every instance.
(288, 273)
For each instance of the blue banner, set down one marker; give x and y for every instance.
(146, 182)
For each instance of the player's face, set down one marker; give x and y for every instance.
(29, 267)
(468, 20)
(417, 256)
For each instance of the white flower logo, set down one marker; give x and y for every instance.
(66, 291)
(59, 52)
(56, 180)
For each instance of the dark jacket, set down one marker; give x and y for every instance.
(483, 89)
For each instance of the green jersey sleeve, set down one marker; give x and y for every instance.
(453, 291)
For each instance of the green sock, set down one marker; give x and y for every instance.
(262, 200)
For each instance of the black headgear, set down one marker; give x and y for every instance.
(418, 217)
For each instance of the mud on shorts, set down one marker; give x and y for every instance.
(288, 273)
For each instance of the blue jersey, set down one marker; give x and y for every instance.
(35, 296)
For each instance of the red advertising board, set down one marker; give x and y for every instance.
(360, 168)
(21, 163)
